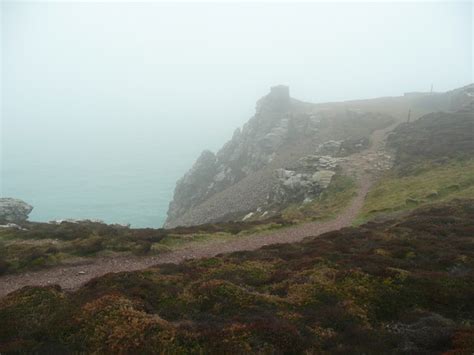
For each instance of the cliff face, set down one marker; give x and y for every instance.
(250, 148)
(253, 170)
(288, 152)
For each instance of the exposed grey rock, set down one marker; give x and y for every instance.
(196, 184)
(14, 210)
(292, 186)
(318, 162)
(277, 136)
(249, 150)
(329, 148)
(306, 181)
(323, 178)
(283, 134)
(247, 216)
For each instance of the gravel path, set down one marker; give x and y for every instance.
(72, 277)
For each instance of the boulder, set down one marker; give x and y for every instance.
(318, 162)
(323, 178)
(300, 186)
(14, 210)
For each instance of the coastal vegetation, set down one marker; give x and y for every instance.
(426, 183)
(404, 285)
(434, 162)
(40, 245)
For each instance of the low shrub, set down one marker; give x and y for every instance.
(397, 286)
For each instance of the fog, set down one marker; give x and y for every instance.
(105, 105)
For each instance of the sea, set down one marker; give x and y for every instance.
(129, 191)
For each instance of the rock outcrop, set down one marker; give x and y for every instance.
(311, 175)
(287, 152)
(262, 167)
(13, 210)
(250, 148)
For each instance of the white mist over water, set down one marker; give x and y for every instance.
(105, 106)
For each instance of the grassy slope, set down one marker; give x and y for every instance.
(404, 285)
(434, 162)
(427, 184)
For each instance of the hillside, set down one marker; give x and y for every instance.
(436, 136)
(403, 285)
(288, 153)
(402, 282)
(237, 177)
(431, 158)
(72, 252)
(434, 161)
(32, 246)
(260, 167)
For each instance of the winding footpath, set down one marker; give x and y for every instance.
(73, 276)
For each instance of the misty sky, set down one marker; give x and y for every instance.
(122, 83)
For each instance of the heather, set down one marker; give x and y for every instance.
(403, 285)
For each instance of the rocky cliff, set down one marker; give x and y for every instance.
(282, 153)
(288, 152)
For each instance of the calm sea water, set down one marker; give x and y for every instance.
(136, 192)
(114, 161)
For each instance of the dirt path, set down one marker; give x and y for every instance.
(72, 277)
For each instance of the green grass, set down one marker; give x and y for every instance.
(427, 183)
(337, 196)
(175, 242)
